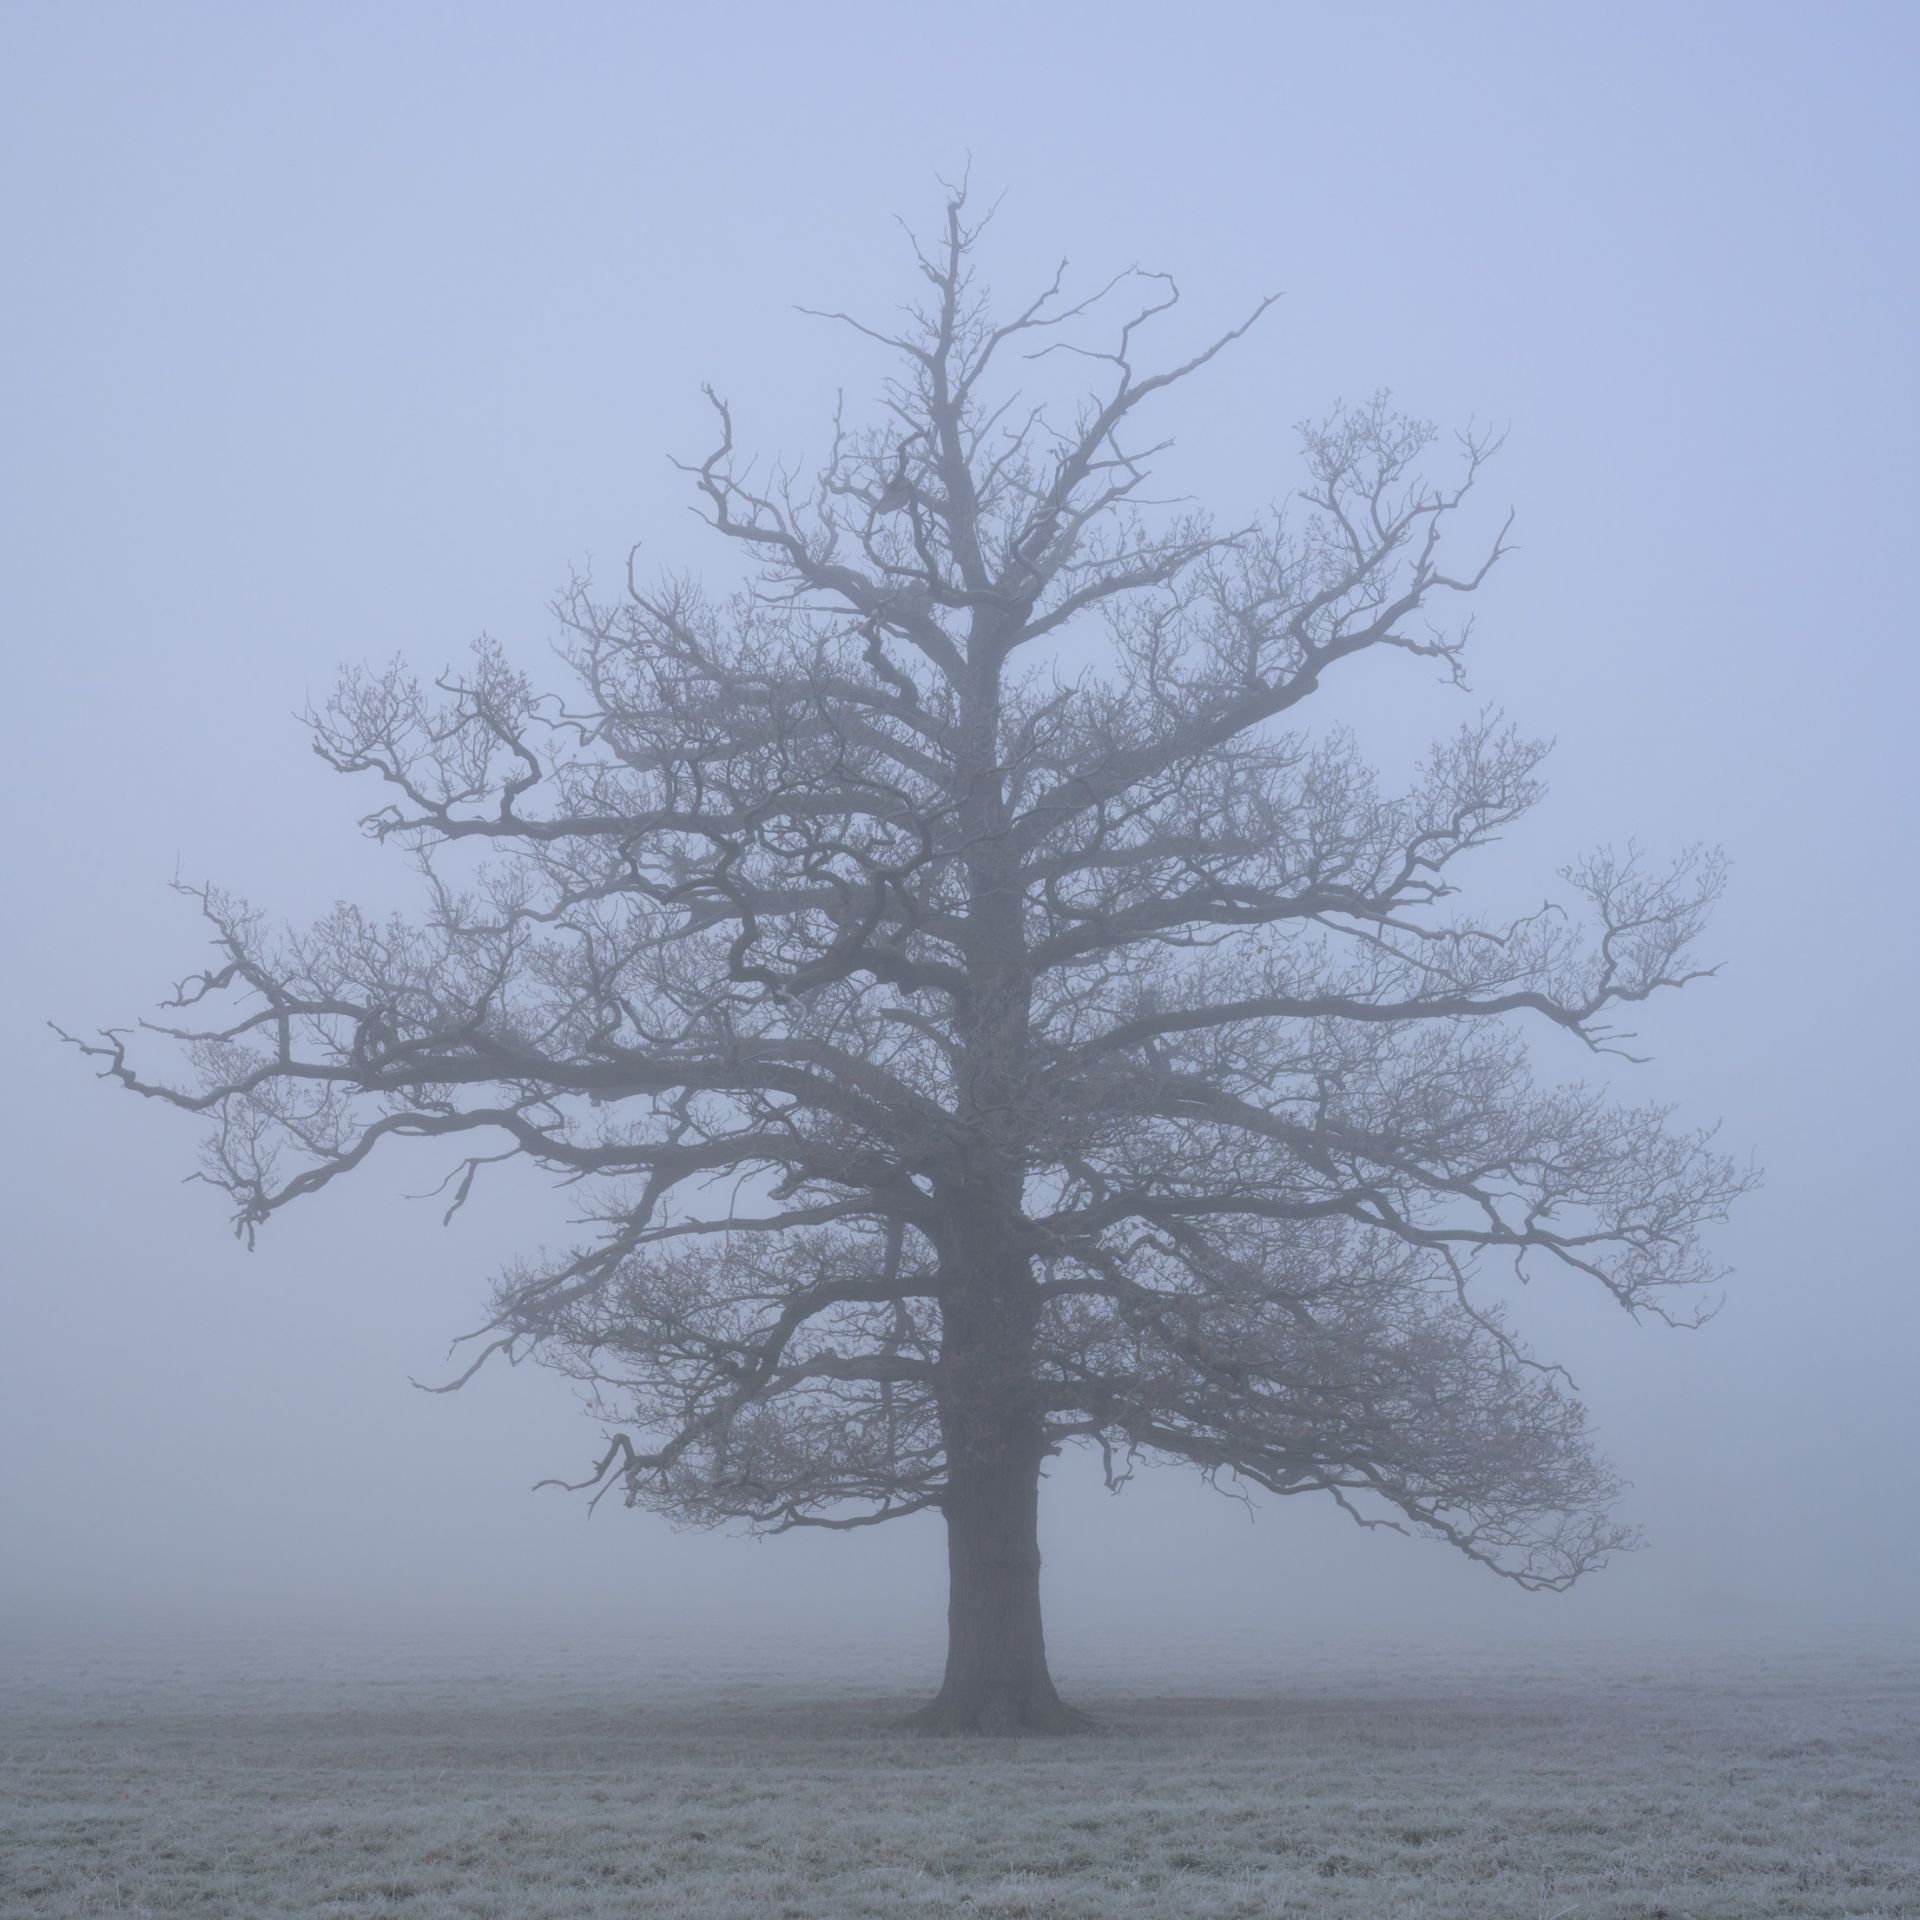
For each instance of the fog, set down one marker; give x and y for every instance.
(335, 333)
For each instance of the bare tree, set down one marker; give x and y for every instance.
(1107, 1061)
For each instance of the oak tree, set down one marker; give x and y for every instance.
(968, 1048)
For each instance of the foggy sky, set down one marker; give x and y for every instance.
(335, 332)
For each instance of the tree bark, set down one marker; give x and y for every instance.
(996, 1678)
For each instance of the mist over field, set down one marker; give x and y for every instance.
(335, 335)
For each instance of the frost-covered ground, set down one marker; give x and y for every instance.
(624, 1776)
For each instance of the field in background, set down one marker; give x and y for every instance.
(625, 1775)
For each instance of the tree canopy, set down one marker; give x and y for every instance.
(961, 1051)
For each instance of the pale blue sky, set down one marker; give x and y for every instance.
(334, 331)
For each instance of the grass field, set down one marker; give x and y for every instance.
(602, 1779)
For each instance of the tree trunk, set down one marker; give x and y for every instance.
(996, 1679)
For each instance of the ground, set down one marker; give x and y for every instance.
(526, 1780)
